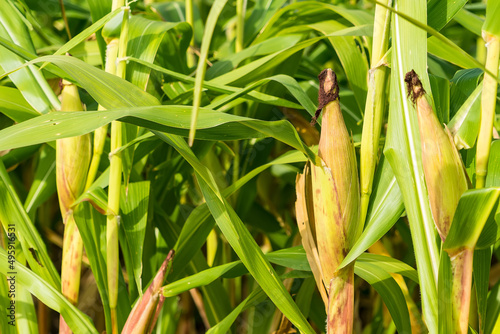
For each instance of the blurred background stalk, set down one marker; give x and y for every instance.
(488, 103)
(491, 36)
(191, 57)
(115, 180)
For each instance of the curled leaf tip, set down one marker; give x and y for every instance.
(170, 255)
(328, 91)
(413, 86)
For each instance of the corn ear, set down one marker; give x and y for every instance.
(443, 169)
(72, 162)
(328, 207)
(337, 151)
(446, 182)
(72, 155)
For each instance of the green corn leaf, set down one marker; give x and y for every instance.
(452, 53)
(104, 87)
(389, 290)
(354, 62)
(256, 20)
(288, 82)
(268, 46)
(28, 56)
(252, 95)
(14, 157)
(92, 227)
(13, 212)
(493, 310)
(290, 257)
(389, 265)
(493, 177)
(491, 23)
(439, 13)
(491, 232)
(26, 320)
(4, 310)
(470, 21)
(463, 84)
(481, 274)
(356, 17)
(293, 257)
(257, 68)
(464, 126)
(198, 225)
(240, 239)
(29, 81)
(213, 16)
(445, 295)
(441, 91)
(472, 213)
(216, 299)
(81, 37)
(134, 204)
(99, 9)
(172, 119)
(145, 37)
(255, 297)
(44, 183)
(50, 296)
(14, 106)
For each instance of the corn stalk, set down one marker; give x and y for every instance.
(491, 35)
(101, 133)
(191, 57)
(488, 102)
(375, 104)
(115, 179)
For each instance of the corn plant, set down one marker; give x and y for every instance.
(249, 166)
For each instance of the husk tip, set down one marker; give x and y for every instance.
(328, 91)
(414, 87)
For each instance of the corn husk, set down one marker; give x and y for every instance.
(72, 163)
(328, 206)
(443, 168)
(446, 182)
(72, 156)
